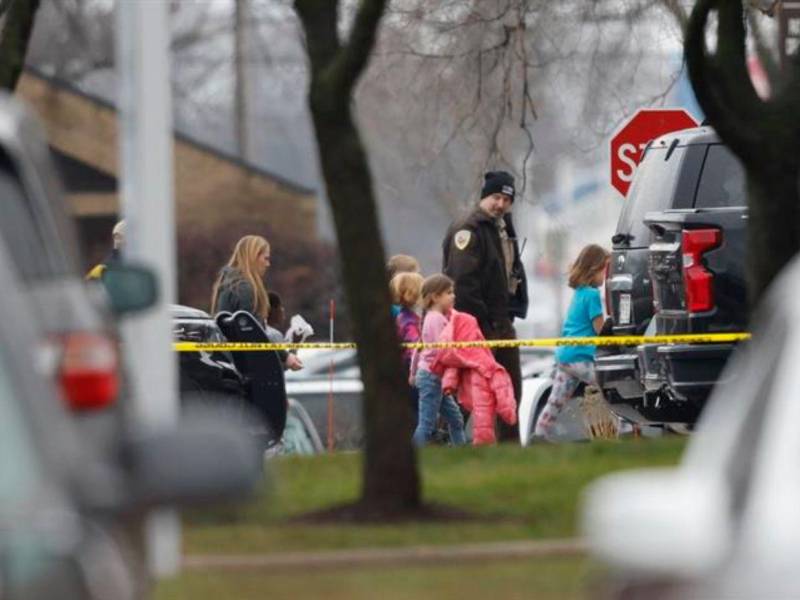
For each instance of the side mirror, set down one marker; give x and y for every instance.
(666, 522)
(204, 459)
(130, 288)
(620, 238)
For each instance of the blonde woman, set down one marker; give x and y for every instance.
(240, 285)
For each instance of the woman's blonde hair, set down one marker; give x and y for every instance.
(401, 263)
(406, 289)
(243, 260)
(433, 286)
(590, 262)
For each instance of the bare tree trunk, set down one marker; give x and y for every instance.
(390, 481)
(764, 135)
(774, 223)
(14, 40)
(4, 4)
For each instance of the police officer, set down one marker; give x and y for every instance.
(481, 255)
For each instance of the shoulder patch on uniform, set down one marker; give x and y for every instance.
(462, 238)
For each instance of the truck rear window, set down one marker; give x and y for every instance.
(722, 182)
(652, 189)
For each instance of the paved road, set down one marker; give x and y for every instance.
(404, 556)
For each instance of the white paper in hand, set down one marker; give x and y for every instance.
(299, 330)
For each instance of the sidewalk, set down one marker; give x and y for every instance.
(403, 556)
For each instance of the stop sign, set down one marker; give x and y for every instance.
(632, 138)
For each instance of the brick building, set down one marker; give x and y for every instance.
(214, 191)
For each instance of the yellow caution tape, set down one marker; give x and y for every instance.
(629, 340)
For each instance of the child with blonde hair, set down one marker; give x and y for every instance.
(399, 263)
(407, 289)
(584, 319)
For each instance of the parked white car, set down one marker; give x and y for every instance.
(537, 384)
(726, 522)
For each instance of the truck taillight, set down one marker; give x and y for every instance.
(88, 371)
(607, 292)
(698, 282)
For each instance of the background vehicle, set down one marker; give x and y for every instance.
(300, 436)
(67, 510)
(205, 377)
(312, 394)
(537, 382)
(697, 264)
(681, 174)
(726, 522)
(666, 178)
(212, 379)
(78, 348)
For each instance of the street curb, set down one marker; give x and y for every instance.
(414, 555)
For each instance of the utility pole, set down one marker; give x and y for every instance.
(242, 82)
(146, 190)
(555, 248)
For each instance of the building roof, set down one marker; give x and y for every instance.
(98, 100)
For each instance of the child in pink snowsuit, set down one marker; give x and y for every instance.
(482, 385)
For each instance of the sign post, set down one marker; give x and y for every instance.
(146, 189)
(630, 140)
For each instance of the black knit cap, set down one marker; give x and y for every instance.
(498, 182)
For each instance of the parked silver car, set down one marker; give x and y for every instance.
(78, 346)
(66, 510)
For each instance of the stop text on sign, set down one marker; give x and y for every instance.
(630, 140)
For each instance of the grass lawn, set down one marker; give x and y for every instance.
(525, 493)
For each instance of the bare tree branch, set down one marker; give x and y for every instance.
(4, 5)
(675, 8)
(14, 41)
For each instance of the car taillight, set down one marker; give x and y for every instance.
(698, 282)
(88, 371)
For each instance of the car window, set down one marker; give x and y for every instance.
(20, 234)
(723, 180)
(652, 189)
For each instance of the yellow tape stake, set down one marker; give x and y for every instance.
(631, 340)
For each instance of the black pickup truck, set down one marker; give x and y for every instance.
(666, 178)
(686, 180)
(697, 265)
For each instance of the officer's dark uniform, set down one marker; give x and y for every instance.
(474, 259)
